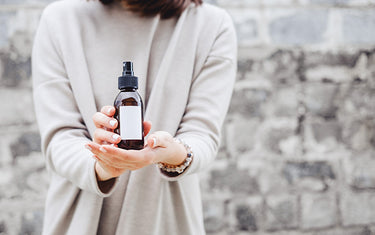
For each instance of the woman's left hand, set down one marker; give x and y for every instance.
(113, 161)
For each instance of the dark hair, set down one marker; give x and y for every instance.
(166, 8)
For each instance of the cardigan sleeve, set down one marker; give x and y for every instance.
(209, 98)
(63, 131)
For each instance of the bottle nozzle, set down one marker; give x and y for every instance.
(127, 80)
(127, 68)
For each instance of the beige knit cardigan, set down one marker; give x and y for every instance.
(186, 68)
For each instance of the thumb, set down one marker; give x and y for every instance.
(146, 127)
(158, 139)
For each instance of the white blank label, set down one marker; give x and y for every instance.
(130, 122)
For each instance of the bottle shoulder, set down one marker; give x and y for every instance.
(124, 97)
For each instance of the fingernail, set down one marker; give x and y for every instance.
(112, 122)
(115, 136)
(109, 110)
(88, 147)
(154, 139)
(103, 150)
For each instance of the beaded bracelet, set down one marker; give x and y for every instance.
(182, 167)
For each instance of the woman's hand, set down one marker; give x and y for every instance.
(113, 161)
(105, 125)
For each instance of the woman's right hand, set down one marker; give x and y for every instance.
(105, 125)
(104, 135)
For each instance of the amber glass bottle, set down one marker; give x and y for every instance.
(129, 110)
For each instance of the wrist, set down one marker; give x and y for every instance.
(178, 155)
(183, 165)
(101, 174)
(105, 184)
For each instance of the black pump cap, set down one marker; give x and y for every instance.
(127, 80)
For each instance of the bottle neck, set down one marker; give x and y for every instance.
(128, 89)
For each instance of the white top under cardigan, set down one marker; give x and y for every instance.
(186, 68)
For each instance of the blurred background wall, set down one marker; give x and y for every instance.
(297, 153)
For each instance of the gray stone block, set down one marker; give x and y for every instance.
(21, 30)
(238, 3)
(278, 2)
(246, 214)
(322, 136)
(32, 223)
(358, 101)
(295, 171)
(27, 143)
(276, 66)
(214, 215)
(11, 219)
(311, 185)
(342, 231)
(249, 102)
(300, 28)
(275, 137)
(245, 218)
(8, 183)
(15, 71)
(242, 135)
(246, 24)
(281, 212)
(329, 2)
(4, 27)
(284, 101)
(315, 59)
(5, 153)
(323, 130)
(359, 170)
(318, 211)
(321, 99)
(19, 108)
(269, 172)
(223, 152)
(233, 180)
(244, 67)
(359, 135)
(24, 178)
(3, 228)
(283, 66)
(357, 208)
(336, 67)
(369, 71)
(278, 136)
(358, 26)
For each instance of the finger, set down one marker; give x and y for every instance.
(146, 127)
(101, 120)
(159, 139)
(108, 155)
(101, 155)
(94, 148)
(114, 169)
(128, 156)
(108, 110)
(102, 136)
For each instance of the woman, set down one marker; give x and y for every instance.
(184, 54)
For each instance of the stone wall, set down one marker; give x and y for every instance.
(298, 150)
